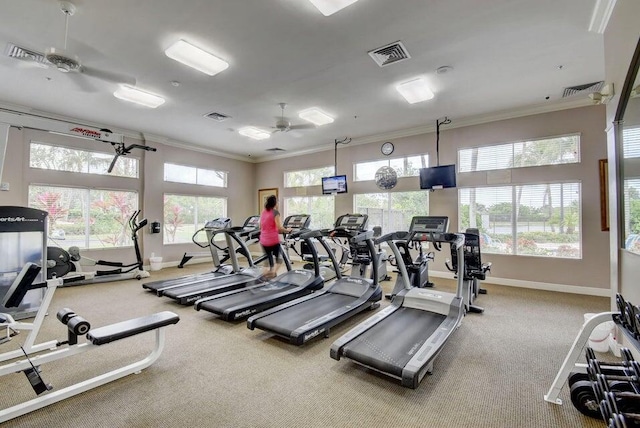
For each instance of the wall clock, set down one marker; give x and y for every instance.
(387, 148)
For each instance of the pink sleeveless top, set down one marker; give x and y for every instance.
(268, 229)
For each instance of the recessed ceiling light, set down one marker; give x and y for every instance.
(329, 7)
(137, 96)
(255, 133)
(415, 91)
(315, 116)
(195, 57)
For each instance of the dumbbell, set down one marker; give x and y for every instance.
(609, 407)
(617, 421)
(626, 356)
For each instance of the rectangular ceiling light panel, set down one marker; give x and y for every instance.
(137, 96)
(255, 133)
(315, 116)
(415, 91)
(195, 57)
(329, 7)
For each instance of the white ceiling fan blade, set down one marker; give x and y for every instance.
(108, 76)
(82, 82)
(303, 126)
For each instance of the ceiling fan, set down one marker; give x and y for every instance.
(66, 62)
(283, 124)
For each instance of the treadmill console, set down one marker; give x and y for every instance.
(297, 222)
(218, 223)
(252, 223)
(424, 226)
(352, 222)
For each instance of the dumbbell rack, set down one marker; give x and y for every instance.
(615, 386)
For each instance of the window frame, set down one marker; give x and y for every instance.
(195, 224)
(387, 209)
(388, 160)
(513, 143)
(514, 221)
(284, 176)
(137, 160)
(197, 169)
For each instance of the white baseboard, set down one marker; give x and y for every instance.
(547, 286)
(535, 285)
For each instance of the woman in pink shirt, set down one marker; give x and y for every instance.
(270, 228)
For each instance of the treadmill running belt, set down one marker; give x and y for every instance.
(247, 298)
(286, 321)
(389, 345)
(224, 283)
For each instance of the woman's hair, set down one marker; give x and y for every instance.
(271, 202)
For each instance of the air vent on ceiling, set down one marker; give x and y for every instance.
(276, 149)
(219, 117)
(24, 54)
(389, 54)
(586, 88)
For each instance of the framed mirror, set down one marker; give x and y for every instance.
(628, 116)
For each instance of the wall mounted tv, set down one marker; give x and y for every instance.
(438, 177)
(335, 184)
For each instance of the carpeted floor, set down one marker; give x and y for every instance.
(493, 373)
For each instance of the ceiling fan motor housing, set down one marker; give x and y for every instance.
(62, 61)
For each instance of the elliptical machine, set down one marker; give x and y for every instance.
(70, 264)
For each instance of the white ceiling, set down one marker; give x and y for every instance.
(505, 54)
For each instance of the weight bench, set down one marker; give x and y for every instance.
(77, 327)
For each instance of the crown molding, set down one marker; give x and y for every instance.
(458, 123)
(600, 16)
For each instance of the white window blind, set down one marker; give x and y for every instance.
(307, 177)
(548, 151)
(405, 167)
(58, 158)
(193, 175)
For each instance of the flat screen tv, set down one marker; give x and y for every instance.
(438, 177)
(335, 184)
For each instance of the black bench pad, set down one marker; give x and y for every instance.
(121, 330)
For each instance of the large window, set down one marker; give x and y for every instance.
(193, 175)
(320, 208)
(405, 167)
(46, 156)
(392, 211)
(86, 218)
(548, 151)
(184, 215)
(307, 177)
(533, 219)
(631, 196)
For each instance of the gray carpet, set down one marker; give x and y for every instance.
(493, 373)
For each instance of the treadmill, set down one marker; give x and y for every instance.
(212, 228)
(403, 339)
(241, 303)
(189, 293)
(311, 316)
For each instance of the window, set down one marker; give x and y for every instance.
(45, 156)
(631, 196)
(193, 175)
(320, 208)
(307, 177)
(184, 215)
(392, 211)
(405, 167)
(548, 151)
(533, 219)
(86, 218)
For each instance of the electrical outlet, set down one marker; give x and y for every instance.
(4, 187)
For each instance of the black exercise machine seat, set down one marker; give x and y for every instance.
(124, 329)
